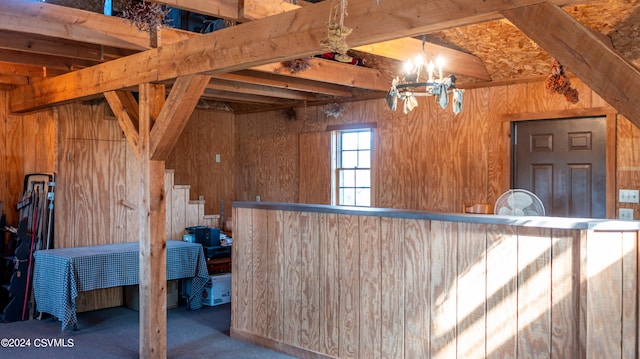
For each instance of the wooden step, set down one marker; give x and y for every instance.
(183, 212)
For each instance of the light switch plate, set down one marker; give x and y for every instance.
(628, 196)
(625, 214)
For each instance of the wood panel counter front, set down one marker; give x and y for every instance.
(319, 281)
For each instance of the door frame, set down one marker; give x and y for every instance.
(611, 124)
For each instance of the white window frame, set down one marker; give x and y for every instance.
(337, 165)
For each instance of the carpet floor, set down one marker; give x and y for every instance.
(113, 333)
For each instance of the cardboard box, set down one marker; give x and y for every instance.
(132, 295)
(218, 290)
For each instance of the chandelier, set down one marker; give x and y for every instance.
(412, 85)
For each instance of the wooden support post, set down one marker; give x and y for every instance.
(152, 209)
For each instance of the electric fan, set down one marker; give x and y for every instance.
(519, 202)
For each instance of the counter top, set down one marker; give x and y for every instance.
(522, 221)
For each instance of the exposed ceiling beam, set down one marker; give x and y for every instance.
(457, 62)
(247, 98)
(253, 89)
(577, 47)
(280, 37)
(72, 24)
(175, 114)
(279, 81)
(321, 72)
(12, 74)
(227, 9)
(49, 61)
(37, 44)
(258, 9)
(8, 81)
(126, 109)
(333, 72)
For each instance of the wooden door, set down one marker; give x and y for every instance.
(564, 163)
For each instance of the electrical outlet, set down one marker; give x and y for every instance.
(257, 198)
(625, 214)
(217, 158)
(628, 196)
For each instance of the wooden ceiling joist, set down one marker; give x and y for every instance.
(253, 89)
(67, 23)
(49, 61)
(226, 9)
(8, 81)
(585, 54)
(258, 9)
(279, 81)
(43, 45)
(333, 72)
(321, 74)
(247, 98)
(280, 37)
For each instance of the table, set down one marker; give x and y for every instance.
(60, 274)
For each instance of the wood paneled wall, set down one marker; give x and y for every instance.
(27, 145)
(429, 159)
(267, 157)
(193, 158)
(93, 180)
(316, 284)
(628, 160)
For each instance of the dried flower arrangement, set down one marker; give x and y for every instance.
(145, 15)
(337, 32)
(334, 109)
(288, 114)
(559, 83)
(297, 65)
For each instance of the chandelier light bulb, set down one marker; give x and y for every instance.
(408, 67)
(430, 69)
(440, 63)
(418, 62)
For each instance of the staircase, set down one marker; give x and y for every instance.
(182, 212)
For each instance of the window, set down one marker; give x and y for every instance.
(353, 167)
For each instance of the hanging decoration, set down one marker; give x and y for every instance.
(288, 114)
(559, 83)
(337, 32)
(297, 65)
(410, 85)
(146, 16)
(334, 109)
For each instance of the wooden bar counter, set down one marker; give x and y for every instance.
(317, 281)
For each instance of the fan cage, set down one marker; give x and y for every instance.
(535, 208)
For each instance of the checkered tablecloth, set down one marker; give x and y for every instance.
(60, 274)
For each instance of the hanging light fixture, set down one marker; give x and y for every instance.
(413, 83)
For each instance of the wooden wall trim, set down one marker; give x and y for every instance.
(277, 345)
(558, 114)
(491, 219)
(352, 126)
(611, 164)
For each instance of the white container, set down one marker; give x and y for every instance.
(218, 290)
